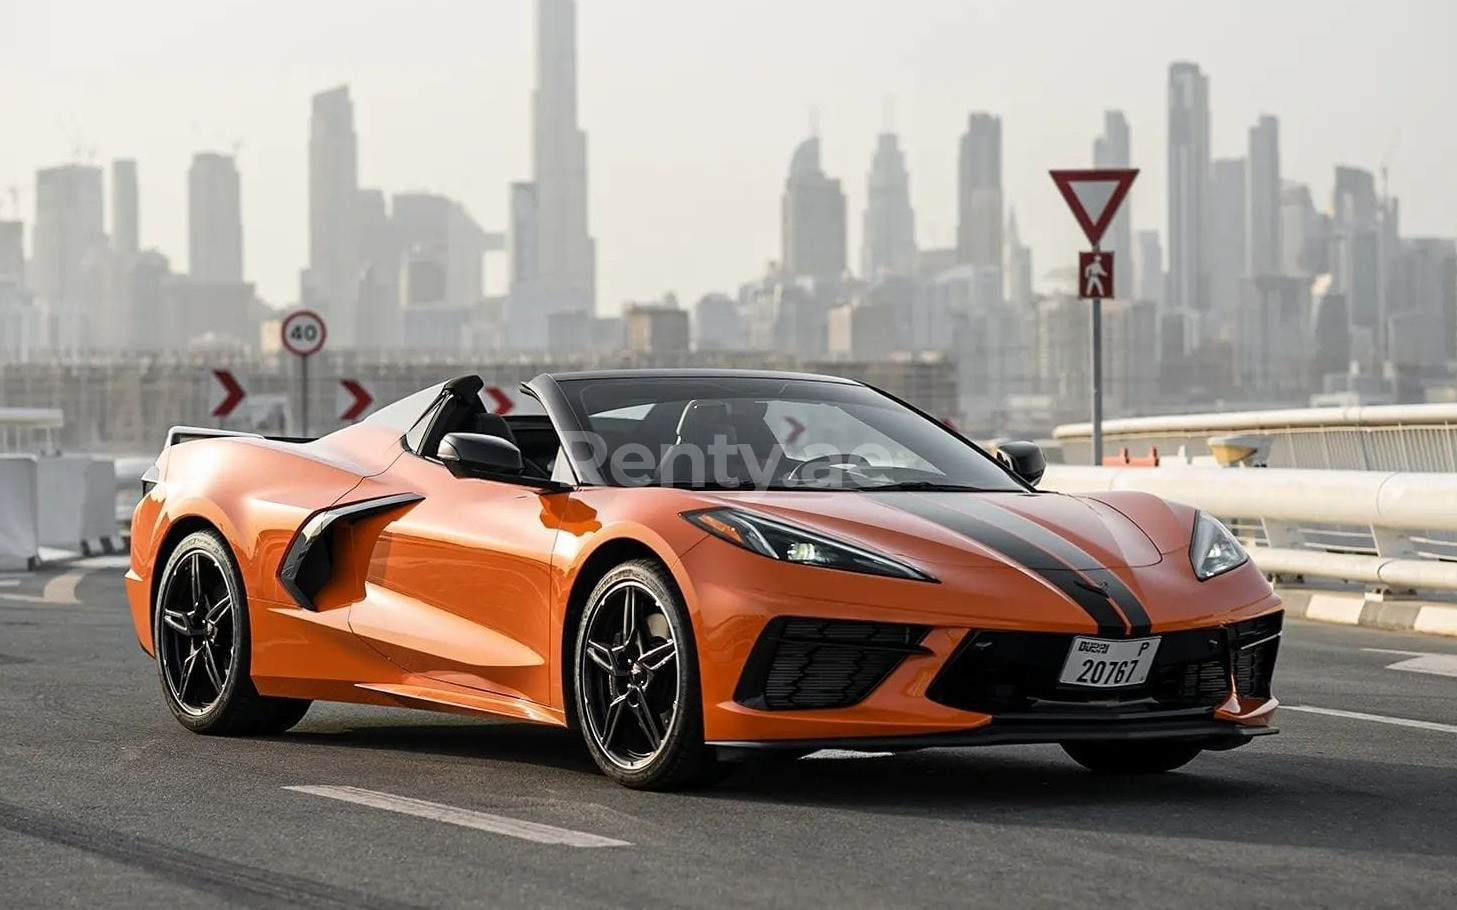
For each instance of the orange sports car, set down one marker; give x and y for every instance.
(692, 568)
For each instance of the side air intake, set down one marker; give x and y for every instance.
(308, 564)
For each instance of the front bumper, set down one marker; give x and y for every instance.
(738, 597)
(1211, 734)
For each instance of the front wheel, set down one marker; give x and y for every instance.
(635, 675)
(201, 636)
(1118, 757)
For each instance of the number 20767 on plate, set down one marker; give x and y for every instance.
(1105, 663)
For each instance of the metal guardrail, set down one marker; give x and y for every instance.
(1392, 531)
(1415, 437)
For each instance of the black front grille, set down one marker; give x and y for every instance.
(801, 663)
(1001, 672)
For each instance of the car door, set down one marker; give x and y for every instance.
(459, 587)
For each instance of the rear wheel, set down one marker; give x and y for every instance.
(1118, 757)
(201, 635)
(635, 675)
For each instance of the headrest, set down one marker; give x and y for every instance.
(492, 425)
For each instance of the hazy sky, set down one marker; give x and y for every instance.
(693, 107)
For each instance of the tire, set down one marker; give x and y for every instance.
(1118, 757)
(635, 683)
(203, 647)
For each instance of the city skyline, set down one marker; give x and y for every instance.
(640, 207)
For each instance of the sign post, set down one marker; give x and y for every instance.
(1094, 197)
(304, 333)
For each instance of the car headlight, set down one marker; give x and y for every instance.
(789, 542)
(1214, 549)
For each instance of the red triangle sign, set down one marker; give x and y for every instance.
(1094, 196)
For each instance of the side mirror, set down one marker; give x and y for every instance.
(1025, 459)
(472, 454)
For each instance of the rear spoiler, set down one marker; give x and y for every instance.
(179, 435)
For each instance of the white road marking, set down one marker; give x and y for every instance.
(62, 588)
(1375, 718)
(466, 818)
(1421, 661)
(847, 753)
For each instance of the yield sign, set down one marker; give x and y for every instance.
(359, 399)
(233, 393)
(1094, 196)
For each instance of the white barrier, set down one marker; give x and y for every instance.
(19, 513)
(77, 499)
(1290, 507)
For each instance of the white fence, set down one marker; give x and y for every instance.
(1414, 437)
(1392, 531)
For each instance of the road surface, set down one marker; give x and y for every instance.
(106, 801)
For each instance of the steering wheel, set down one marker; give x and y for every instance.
(837, 462)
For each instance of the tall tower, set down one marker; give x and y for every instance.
(813, 218)
(1265, 256)
(125, 236)
(1188, 168)
(979, 229)
(890, 223)
(1110, 150)
(554, 258)
(214, 219)
(69, 239)
(331, 283)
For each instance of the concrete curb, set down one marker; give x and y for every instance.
(1353, 608)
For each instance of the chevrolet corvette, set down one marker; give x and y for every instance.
(692, 568)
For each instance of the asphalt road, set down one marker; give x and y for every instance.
(105, 801)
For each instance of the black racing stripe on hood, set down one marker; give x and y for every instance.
(1139, 622)
(1069, 581)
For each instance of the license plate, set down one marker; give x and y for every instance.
(1106, 663)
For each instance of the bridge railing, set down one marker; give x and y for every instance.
(1415, 437)
(1394, 532)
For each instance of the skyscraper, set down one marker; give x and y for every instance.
(331, 282)
(1229, 247)
(1149, 281)
(1264, 256)
(214, 219)
(813, 218)
(69, 235)
(1110, 150)
(1188, 169)
(890, 223)
(1018, 266)
(554, 258)
(1355, 246)
(125, 235)
(979, 228)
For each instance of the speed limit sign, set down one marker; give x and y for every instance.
(304, 333)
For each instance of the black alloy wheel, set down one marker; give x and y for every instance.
(637, 695)
(201, 638)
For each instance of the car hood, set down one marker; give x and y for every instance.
(1028, 530)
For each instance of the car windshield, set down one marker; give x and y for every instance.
(737, 432)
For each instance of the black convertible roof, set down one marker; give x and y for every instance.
(698, 373)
